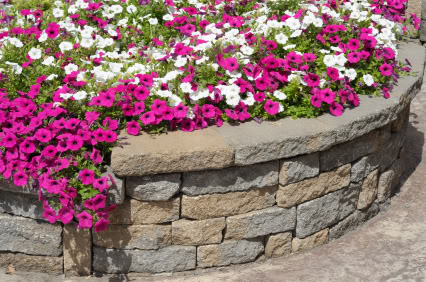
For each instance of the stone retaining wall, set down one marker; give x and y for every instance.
(214, 201)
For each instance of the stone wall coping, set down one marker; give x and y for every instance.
(250, 142)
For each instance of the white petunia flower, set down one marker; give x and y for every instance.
(351, 74)
(281, 38)
(293, 23)
(80, 95)
(58, 13)
(153, 21)
(87, 42)
(65, 46)
(35, 53)
(330, 60)
(70, 68)
(43, 37)
(48, 61)
(246, 50)
(131, 9)
(280, 95)
(186, 87)
(368, 79)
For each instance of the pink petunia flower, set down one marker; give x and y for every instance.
(271, 107)
(148, 118)
(20, 178)
(101, 225)
(133, 128)
(336, 109)
(86, 176)
(386, 70)
(74, 142)
(316, 101)
(84, 220)
(333, 73)
(180, 111)
(327, 95)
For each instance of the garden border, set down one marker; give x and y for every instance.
(227, 195)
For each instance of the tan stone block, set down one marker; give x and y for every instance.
(25, 263)
(77, 251)
(310, 242)
(142, 212)
(144, 237)
(218, 205)
(196, 233)
(368, 191)
(278, 244)
(173, 152)
(309, 189)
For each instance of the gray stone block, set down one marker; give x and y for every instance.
(352, 221)
(21, 204)
(299, 168)
(363, 167)
(116, 193)
(230, 179)
(229, 252)
(169, 259)
(347, 152)
(259, 223)
(31, 187)
(160, 187)
(384, 188)
(30, 236)
(323, 212)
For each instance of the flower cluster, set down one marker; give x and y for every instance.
(74, 75)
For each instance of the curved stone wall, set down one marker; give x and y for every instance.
(227, 195)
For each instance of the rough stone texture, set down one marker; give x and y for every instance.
(278, 244)
(169, 259)
(21, 204)
(392, 149)
(218, 205)
(25, 263)
(323, 212)
(261, 222)
(8, 185)
(199, 232)
(161, 187)
(402, 119)
(299, 168)
(77, 251)
(144, 237)
(347, 152)
(315, 240)
(369, 190)
(423, 28)
(230, 179)
(353, 221)
(116, 193)
(229, 252)
(296, 193)
(140, 212)
(173, 152)
(384, 188)
(30, 236)
(364, 166)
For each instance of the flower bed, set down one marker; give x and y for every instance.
(224, 200)
(77, 72)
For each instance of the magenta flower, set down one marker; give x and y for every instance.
(139, 107)
(333, 73)
(187, 125)
(84, 220)
(101, 225)
(271, 107)
(353, 44)
(96, 156)
(52, 30)
(336, 109)
(20, 178)
(354, 57)
(148, 118)
(74, 142)
(99, 202)
(386, 70)
(50, 214)
(27, 147)
(208, 111)
(109, 123)
(327, 95)
(309, 57)
(312, 79)
(316, 101)
(230, 64)
(133, 128)
(388, 53)
(262, 83)
(90, 117)
(158, 106)
(110, 136)
(259, 97)
(66, 215)
(101, 184)
(8, 140)
(49, 152)
(86, 176)
(180, 111)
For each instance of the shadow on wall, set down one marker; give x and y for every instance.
(413, 149)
